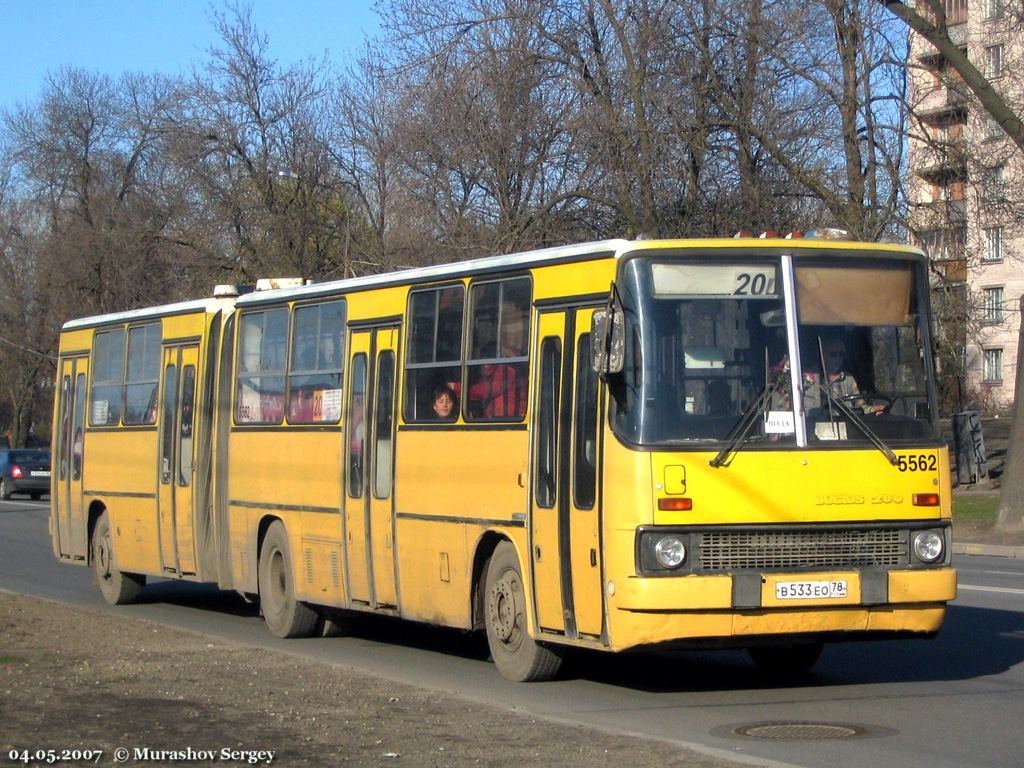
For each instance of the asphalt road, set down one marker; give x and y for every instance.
(953, 701)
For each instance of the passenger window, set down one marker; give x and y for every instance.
(259, 397)
(188, 399)
(499, 335)
(140, 386)
(107, 375)
(65, 426)
(78, 442)
(383, 410)
(585, 428)
(547, 422)
(355, 427)
(167, 443)
(434, 359)
(318, 352)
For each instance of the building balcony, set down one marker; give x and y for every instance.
(941, 214)
(950, 270)
(941, 162)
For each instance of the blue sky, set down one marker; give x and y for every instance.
(117, 36)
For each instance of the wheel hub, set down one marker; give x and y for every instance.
(103, 556)
(502, 608)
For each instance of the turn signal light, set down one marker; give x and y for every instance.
(926, 499)
(675, 505)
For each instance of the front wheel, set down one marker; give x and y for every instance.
(285, 616)
(116, 586)
(516, 655)
(786, 660)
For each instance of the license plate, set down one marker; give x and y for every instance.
(810, 590)
(40, 473)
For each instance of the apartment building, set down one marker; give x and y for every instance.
(966, 191)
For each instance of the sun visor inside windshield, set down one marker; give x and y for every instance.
(854, 295)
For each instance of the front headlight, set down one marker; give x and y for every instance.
(670, 552)
(928, 546)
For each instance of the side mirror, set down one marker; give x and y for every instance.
(607, 342)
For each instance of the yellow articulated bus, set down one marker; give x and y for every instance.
(717, 442)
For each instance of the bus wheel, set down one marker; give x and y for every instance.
(285, 616)
(785, 660)
(116, 586)
(517, 656)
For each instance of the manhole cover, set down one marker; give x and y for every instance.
(800, 731)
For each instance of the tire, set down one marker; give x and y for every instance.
(517, 656)
(786, 660)
(35, 496)
(117, 587)
(5, 489)
(285, 616)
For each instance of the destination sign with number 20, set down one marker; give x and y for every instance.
(749, 281)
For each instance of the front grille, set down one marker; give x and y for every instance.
(771, 550)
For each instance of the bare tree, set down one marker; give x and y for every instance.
(250, 142)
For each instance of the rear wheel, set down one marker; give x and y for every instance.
(5, 488)
(285, 616)
(35, 496)
(116, 586)
(517, 656)
(786, 660)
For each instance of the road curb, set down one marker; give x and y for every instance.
(989, 550)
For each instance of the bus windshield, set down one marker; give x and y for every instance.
(706, 341)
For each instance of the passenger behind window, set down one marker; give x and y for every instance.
(445, 403)
(718, 399)
(501, 390)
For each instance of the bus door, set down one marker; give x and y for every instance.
(68, 509)
(177, 459)
(565, 508)
(369, 439)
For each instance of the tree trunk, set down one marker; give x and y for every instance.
(1011, 497)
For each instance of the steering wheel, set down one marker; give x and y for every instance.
(884, 402)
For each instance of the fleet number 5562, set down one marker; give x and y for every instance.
(915, 463)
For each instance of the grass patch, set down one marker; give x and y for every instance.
(5, 659)
(976, 508)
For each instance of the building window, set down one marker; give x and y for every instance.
(993, 305)
(993, 244)
(993, 186)
(993, 61)
(994, 366)
(992, 128)
(955, 10)
(993, 9)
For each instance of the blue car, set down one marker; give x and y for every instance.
(24, 470)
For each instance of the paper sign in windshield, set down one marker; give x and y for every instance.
(779, 423)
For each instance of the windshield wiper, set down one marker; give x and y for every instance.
(859, 422)
(741, 428)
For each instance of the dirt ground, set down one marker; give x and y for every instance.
(71, 679)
